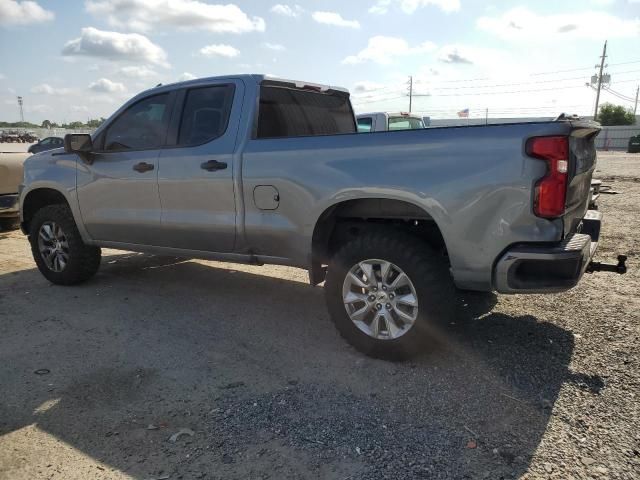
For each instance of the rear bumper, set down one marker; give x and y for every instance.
(545, 268)
(9, 205)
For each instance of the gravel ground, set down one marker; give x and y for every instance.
(96, 379)
(14, 147)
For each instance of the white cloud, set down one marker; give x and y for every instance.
(79, 108)
(286, 10)
(147, 15)
(104, 85)
(333, 18)
(409, 6)
(186, 76)
(116, 46)
(273, 46)
(135, 71)
(455, 54)
(366, 86)
(383, 50)
(47, 89)
(219, 50)
(2, 77)
(13, 12)
(522, 23)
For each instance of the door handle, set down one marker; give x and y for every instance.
(213, 165)
(143, 167)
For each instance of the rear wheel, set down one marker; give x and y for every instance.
(57, 247)
(386, 291)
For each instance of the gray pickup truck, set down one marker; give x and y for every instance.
(253, 169)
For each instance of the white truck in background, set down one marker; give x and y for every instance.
(385, 121)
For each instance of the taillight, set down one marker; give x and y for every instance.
(550, 190)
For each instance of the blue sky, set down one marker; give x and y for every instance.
(71, 60)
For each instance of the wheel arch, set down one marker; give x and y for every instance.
(37, 198)
(349, 217)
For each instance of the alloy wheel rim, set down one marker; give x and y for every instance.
(53, 246)
(380, 299)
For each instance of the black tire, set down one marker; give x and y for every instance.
(83, 260)
(428, 272)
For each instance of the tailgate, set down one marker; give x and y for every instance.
(582, 165)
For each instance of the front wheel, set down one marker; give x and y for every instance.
(57, 247)
(386, 291)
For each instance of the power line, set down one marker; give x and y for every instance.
(623, 63)
(618, 93)
(396, 88)
(475, 87)
(562, 71)
(620, 96)
(627, 81)
(505, 92)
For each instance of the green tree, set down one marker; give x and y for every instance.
(74, 125)
(46, 124)
(95, 122)
(611, 114)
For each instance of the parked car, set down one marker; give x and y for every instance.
(10, 136)
(254, 169)
(384, 121)
(10, 178)
(29, 137)
(48, 143)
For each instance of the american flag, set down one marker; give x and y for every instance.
(463, 113)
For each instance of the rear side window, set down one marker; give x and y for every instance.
(287, 112)
(405, 123)
(365, 124)
(206, 114)
(142, 126)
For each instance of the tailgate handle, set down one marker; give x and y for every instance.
(213, 165)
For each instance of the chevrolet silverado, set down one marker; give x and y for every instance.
(249, 168)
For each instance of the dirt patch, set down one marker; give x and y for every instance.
(540, 386)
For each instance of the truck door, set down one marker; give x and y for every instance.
(118, 191)
(195, 175)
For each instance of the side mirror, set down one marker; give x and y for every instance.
(81, 144)
(78, 143)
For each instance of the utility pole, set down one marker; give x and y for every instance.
(604, 56)
(635, 108)
(410, 91)
(486, 116)
(21, 112)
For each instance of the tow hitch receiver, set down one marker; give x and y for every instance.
(620, 268)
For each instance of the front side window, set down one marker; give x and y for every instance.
(290, 112)
(142, 126)
(365, 124)
(205, 115)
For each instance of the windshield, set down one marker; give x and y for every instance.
(405, 123)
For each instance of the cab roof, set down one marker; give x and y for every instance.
(256, 78)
